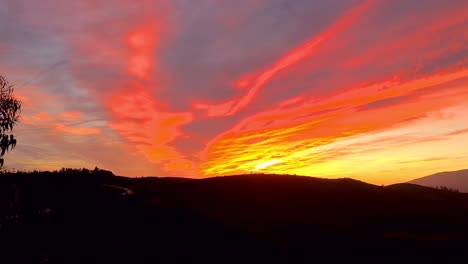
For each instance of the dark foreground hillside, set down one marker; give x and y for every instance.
(94, 217)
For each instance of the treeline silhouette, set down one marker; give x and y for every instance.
(448, 189)
(93, 216)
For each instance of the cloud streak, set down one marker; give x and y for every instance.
(293, 57)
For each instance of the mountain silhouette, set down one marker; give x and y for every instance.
(457, 180)
(82, 216)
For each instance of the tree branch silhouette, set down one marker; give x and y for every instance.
(10, 109)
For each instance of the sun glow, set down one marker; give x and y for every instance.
(266, 164)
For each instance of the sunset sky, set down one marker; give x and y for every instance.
(368, 89)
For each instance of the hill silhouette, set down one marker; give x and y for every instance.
(85, 216)
(457, 180)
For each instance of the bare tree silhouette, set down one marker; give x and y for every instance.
(10, 109)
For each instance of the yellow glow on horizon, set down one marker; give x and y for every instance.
(266, 164)
(419, 148)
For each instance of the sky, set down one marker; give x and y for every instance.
(375, 90)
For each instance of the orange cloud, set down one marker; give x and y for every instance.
(149, 130)
(64, 123)
(73, 115)
(289, 133)
(138, 116)
(80, 131)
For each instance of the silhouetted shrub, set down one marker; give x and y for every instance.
(448, 189)
(10, 108)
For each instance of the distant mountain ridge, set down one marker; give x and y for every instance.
(452, 179)
(73, 216)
